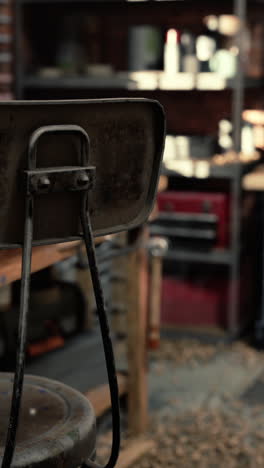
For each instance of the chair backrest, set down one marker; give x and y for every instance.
(126, 138)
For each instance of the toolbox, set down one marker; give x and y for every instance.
(189, 303)
(194, 218)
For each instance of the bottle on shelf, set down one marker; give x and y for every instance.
(205, 49)
(172, 52)
(172, 77)
(247, 139)
(144, 48)
(70, 57)
(225, 140)
(190, 63)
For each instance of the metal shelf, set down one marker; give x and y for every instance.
(197, 102)
(227, 171)
(114, 82)
(98, 82)
(95, 3)
(214, 256)
(180, 4)
(183, 232)
(185, 217)
(83, 82)
(215, 173)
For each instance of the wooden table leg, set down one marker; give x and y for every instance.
(137, 304)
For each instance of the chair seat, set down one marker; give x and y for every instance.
(56, 427)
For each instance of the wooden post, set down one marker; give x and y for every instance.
(137, 299)
(118, 306)
(154, 302)
(157, 249)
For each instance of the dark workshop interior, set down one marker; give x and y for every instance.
(183, 285)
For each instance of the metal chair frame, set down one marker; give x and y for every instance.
(38, 182)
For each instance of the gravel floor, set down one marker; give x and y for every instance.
(206, 407)
(229, 437)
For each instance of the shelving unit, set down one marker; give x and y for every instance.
(214, 256)
(182, 107)
(79, 82)
(215, 171)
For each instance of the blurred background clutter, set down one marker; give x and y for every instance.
(185, 292)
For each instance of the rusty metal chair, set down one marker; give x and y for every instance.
(68, 170)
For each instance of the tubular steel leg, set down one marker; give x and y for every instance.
(107, 343)
(22, 336)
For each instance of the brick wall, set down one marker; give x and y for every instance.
(6, 49)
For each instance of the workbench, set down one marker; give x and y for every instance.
(43, 257)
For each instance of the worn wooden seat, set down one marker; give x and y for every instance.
(56, 425)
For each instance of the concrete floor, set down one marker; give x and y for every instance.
(232, 373)
(206, 407)
(80, 363)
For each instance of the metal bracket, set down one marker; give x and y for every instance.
(59, 179)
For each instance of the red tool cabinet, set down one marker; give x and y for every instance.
(188, 303)
(199, 203)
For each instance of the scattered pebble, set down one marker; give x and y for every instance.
(207, 439)
(230, 434)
